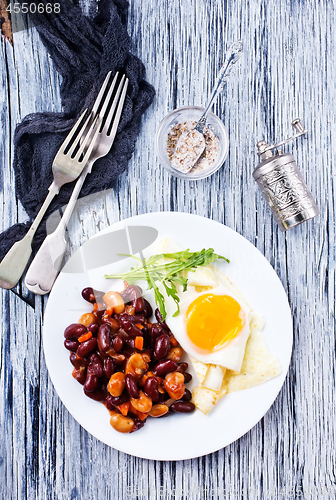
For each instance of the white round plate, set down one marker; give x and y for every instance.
(178, 436)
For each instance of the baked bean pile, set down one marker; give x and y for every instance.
(125, 361)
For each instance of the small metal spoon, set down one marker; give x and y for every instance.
(191, 144)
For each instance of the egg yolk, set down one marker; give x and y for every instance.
(213, 320)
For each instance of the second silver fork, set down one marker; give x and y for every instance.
(46, 265)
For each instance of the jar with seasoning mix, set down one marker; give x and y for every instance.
(181, 121)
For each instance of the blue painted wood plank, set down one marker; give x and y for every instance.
(288, 70)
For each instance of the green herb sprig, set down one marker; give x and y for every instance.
(169, 274)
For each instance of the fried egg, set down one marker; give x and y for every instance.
(218, 330)
(213, 324)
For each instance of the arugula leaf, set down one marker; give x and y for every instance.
(172, 292)
(169, 274)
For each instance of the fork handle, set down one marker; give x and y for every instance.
(15, 261)
(46, 265)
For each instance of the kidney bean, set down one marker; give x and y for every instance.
(125, 321)
(104, 337)
(90, 369)
(125, 296)
(117, 343)
(112, 401)
(98, 394)
(130, 328)
(138, 304)
(79, 374)
(159, 319)
(135, 290)
(78, 362)
(131, 292)
(187, 395)
(97, 364)
(91, 382)
(151, 388)
(164, 367)
(74, 331)
(130, 343)
(71, 345)
(147, 309)
(99, 296)
(114, 324)
(128, 351)
(135, 318)
(166, 328)
(162, 345)
(75, 361)
(108, 367)
(93, 328)
(108, 403)
(158, 316)
(138, 424)
(88, 295)
(146, 337)
(183, 407)
(132, 386)
(182, 367)
(187, 377)
(162, 398)
(100, 312)
(85, 348)
(138, 318)
(155, 331)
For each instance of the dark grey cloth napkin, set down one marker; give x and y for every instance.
(83, 51)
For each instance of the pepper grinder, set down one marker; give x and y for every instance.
(282, 184)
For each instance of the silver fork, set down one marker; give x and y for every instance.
(45, 267)
(66, 167)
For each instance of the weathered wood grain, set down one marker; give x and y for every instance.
(288, 70)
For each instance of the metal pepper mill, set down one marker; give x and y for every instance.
(282, 184)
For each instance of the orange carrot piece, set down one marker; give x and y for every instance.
(145, 377)
(138, 413)
(138, 343)
(124, 408)
(109, 311)
(174, 342)
(95, 307)
(139, 326)
(84, 337)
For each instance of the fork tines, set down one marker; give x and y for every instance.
(111, 101)
(103, 120)
(75, 143)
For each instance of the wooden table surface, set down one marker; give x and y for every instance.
(288, 70)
